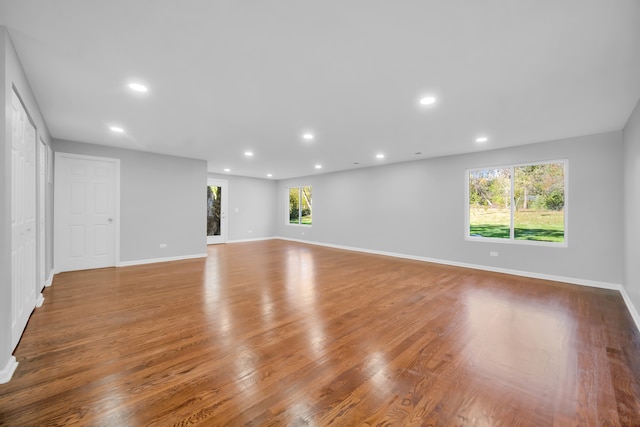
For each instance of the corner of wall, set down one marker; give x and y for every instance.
(5, 215)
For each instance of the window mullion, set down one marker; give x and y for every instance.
(512, 203)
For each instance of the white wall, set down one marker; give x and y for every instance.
(632, 207)
(418, 209)
(162, 200)
(12, 76)
(250, 207)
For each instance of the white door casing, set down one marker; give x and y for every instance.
(86, 212)
(23, 219)
(42, 218)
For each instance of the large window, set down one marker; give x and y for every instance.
(524, 203)
(300, 205)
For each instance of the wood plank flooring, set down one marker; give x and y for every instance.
(282, 333)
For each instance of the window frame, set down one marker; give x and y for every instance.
(512, 239)
(288, 219)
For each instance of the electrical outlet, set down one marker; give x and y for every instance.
(163, 245)
(493, 253)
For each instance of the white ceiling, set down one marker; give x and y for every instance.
(235, 75)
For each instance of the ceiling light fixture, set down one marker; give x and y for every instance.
(248, 153)
(227, 170)
(138, 87)
(318, 166)
(269, 175)
(307, 136)
(116, 129)
(482, 139)
(380, 156)
(428, 100)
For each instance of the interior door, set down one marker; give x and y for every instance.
(85, 210)
(23, 219)
(216, 211)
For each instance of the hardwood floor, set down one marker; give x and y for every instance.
(282, 333)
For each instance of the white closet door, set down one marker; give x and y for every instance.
(23, 219)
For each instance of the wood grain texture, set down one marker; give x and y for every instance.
(282, 333)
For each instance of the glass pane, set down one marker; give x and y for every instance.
(294, 206)
(539, 202)
(489, 203)
(305, 208)
(214, 195)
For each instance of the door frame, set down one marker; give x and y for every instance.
(41, 215)
(116, 208)
(223, 211)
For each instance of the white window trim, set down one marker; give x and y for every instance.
(511, 240)
(299, 206)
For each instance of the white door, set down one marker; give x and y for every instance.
(23, 219)
(85, 211)
(216, 211)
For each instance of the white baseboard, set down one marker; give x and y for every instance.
(574, 281)
(251, 240)
(564, 279)
(156, 260)
(39, 300)
(7, 372)
(49, 279)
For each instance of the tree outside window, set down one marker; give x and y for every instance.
(300, 205)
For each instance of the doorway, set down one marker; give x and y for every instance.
(216, 211)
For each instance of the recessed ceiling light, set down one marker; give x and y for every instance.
(482, 139)
(427, 100)
(116, 129)
(269, 175)
(227, 170)
(318, 166)
(248, 153)
(138, 87)
(380, 156)
(356, 163)
(417, 153)
(308, 136)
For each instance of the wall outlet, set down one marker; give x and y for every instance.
(163, 245)
(493, 253)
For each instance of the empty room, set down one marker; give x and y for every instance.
(301, 213)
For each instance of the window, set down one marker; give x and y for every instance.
(300, 206)
(522, 203)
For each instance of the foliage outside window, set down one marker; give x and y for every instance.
(214, 194)
(300, 205)
(518, 203)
